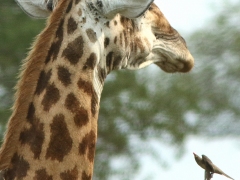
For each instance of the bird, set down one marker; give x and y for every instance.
(209, 167)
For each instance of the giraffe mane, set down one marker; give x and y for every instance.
(27, 83)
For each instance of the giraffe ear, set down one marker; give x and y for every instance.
(36, 8)
(127, 8)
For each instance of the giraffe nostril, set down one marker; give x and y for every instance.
(187, 64)
(186, 68)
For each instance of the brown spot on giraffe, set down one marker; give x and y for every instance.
(71, 26)
(101, 74)
(91, 62)
(85, 86)
(81, 117)
(117, 61)
(87, 145)
(51, 97)
(60, 137)
(74, 50)
(123, 21)
(69, 7)
(64, 75)
(107, 24)
(59, 32)
(31, 113)
(19, 169)
(77, 1)
(55, 46)
(88, 88)
(72, 103)
(91, 35)
(106, 42)
(70, 174)
(84, 20)
(54, 49)
(41, 174)
(115, 40)
(113, 61)
(99, 4)
(34, 136)
(43, 81)
(109, 60)
(132, 46)
(94, 103)
(120, 39)
(85, 176)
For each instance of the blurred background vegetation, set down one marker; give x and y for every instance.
(150, 103)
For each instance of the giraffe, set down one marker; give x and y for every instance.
(52, 132)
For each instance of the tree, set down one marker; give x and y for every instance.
(16, 32)
(216, 48)
(166, 107)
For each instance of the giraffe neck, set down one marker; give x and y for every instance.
(53, 130)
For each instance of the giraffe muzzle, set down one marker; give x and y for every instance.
(171, 58)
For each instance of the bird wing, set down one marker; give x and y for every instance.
(205, 158)
(208, 163)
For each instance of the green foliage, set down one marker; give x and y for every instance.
(16, 33)
(138, 106)
(216, 48)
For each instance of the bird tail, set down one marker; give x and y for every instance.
(219, 171)
(227, 176)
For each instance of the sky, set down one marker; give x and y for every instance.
(187, 16)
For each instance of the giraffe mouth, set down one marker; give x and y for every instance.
(171, 58)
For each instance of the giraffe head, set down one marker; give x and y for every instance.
(128, 34)
(57, 99)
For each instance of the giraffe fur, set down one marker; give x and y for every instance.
(52, 132)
